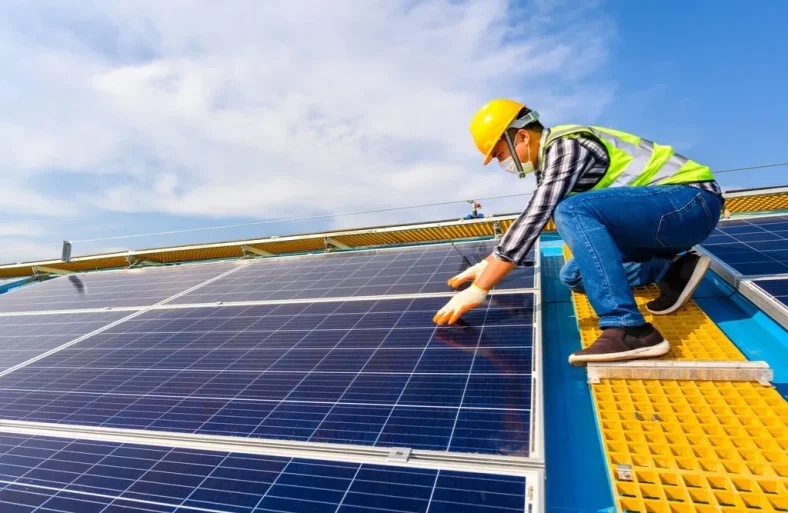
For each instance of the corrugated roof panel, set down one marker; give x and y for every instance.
(16, 272)
(196, 254)
(758, 203)
(293, 246)
(93, 264)
(371, 239)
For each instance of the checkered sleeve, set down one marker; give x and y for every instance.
(565, 160)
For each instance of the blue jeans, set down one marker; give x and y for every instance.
(627, 236)
(639, 274)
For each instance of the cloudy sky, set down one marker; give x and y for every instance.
(131, 117)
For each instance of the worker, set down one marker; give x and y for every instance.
(475, 214)
(630, 210)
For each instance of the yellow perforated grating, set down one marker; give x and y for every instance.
(759, 203)
(694, 446)
(692, 335)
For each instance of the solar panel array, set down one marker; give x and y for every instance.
(133, 287)
(757, 249)
(406, 271)
(417, 270)
(54, 474)
(23, 337)
(369, 371)
(757, 246)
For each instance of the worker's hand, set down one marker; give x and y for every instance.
(463, 301)
(468, 274)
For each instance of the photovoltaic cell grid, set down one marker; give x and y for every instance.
(366, 372)
(133, 287)
(23, 337)
(404, 271)
(39, 474)
(776, 288)
(757, 246)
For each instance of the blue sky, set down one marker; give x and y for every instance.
(134, 117)
(712, 81)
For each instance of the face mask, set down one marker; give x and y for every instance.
(509, 166)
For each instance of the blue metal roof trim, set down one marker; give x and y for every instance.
(14, 283)
(568, 405)
(756, 334)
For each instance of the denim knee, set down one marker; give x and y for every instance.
(570, 276)
(561, 212)
(569, 208)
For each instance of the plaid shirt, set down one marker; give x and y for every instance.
(570, 165)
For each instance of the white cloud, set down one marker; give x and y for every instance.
(18, 249)
(21, 200)
(280, 109)
(20, 229)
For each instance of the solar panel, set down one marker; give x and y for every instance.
(40, 474)
(757, 246)
(23, 337)
(782, 388)
(776, 288)
(134, 287)
(369, 372)
(403, 271)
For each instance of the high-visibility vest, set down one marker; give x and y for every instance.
(635, 161)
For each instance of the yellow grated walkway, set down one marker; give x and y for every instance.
(690, 446)
(692, 335)
(695, 446)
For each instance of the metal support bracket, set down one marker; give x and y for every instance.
(251, 251)
(332, 243)
(43, 270)
(497, 231)
(400, 454)
(682, 370)
(141, 262)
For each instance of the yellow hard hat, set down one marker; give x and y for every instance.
(489, 123)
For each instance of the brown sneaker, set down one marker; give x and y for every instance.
(617, 344)
(680, 281)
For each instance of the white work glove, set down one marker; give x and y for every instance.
(468, 274)
(463, 301)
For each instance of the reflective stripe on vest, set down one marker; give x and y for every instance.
(635, 161)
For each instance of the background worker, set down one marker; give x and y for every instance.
(626, 207)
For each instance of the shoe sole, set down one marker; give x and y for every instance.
(698, 273)
(656, 351)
